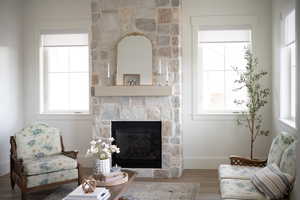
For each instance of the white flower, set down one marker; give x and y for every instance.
(94, 150)
(102, 156)
(93, 142)
(111, 139)
(106, 150)
(99, 140)
(88, 153)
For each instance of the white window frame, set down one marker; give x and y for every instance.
(43, 80)
(218, 23)
(285, 76)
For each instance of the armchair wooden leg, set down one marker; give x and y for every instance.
(79, 175)
(12, 182)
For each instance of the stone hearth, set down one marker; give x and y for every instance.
(159, 21)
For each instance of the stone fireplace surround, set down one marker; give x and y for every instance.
(158, 20)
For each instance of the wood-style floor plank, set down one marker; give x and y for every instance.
(208, 180)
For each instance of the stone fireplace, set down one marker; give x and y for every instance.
(159, 21)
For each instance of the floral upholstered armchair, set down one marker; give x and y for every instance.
(235, 179)
(38, 159)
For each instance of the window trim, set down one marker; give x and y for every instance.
(218, 23)
(285, 116)
(43, 81)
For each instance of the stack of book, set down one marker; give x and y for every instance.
(100, 193)
(113, 178)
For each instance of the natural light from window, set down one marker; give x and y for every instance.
(65, 61)
(290, 51)
(219, 51)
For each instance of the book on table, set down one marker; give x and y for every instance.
(100, 193)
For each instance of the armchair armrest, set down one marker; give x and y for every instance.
(242, 161)
(71, 154)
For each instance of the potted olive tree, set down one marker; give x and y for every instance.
(251, 117)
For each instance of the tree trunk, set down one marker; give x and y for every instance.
(252, 134)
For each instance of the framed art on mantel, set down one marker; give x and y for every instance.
(131, 79)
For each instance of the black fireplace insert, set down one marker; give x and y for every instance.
(140, 144)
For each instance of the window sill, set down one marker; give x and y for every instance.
(215, 116)
(288, 123)
(64, 116)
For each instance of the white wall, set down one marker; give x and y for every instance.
(48, 15)
(208, 143)
(11, 115)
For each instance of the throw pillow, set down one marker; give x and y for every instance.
(273, 183)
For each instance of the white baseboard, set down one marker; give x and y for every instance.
(204, 162)
(4, 168)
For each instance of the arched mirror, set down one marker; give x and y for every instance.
(134, 60)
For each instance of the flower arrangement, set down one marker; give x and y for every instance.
(102, 149)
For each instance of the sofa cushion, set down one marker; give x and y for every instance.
(53, 177)
(272, 182)
(279, 145)
(48, 164)
(237, 172)
(288, 160)
(239, 189)
(38, 140)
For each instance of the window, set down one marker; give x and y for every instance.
(289, 68)
(219, 51)
(64, 73)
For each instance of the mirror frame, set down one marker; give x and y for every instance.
(116, 55)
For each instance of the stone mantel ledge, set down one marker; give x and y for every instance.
(131, 91)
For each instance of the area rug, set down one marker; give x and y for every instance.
(144, 191)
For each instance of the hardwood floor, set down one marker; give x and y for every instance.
(208, 179)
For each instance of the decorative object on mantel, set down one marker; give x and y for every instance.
(250, 79)
(131, 79)
(88, 184)
(134, 57)
(101, 150)
(163, 76)
(108, 72)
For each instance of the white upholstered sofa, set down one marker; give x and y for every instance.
(235, 179)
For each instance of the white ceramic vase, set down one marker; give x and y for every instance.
(102, 167)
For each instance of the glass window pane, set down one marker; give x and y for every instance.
(293, 54)
(293, 81)
(58, 92)
(231, 93)
(235, 55)
(213, 95)
(57, 59)
(220, 51)
(293, 92)
(79, 91)
(79, 59)
(212, 56)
